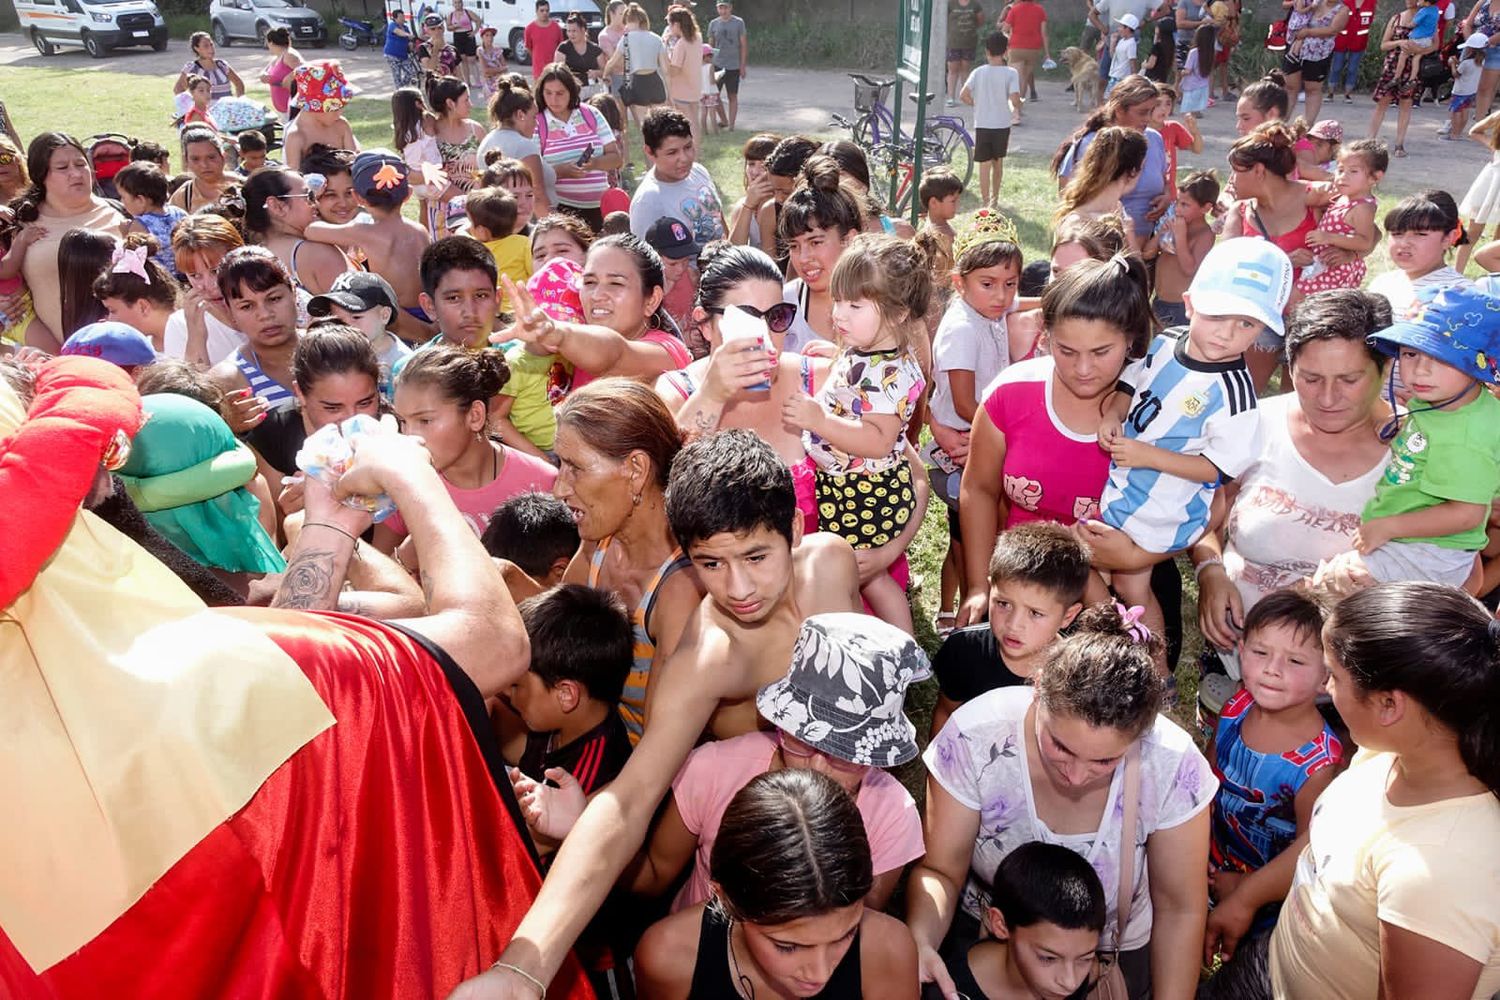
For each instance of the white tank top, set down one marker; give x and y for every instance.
(1288, 516)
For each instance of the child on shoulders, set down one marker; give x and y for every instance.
(1038, 574)
(1273, 754)
(1047, 901)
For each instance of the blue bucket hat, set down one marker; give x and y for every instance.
(1459, 326)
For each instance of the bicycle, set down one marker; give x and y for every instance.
(945, 139)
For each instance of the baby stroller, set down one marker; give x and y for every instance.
(108, 153)
(234, 115)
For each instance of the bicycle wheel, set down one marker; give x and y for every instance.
(951, 146)
(860, 131)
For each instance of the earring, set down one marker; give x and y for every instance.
(635, 501)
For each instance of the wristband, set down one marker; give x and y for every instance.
(1205, 564)
(325, 524)
(533, 980)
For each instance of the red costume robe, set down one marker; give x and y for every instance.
(385, 858)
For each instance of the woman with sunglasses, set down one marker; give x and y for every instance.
(809, 731)
(279, 205)
(743, 383)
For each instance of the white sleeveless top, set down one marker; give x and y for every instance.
(1289, 516)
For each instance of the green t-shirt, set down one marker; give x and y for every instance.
(532, 411)
(1443, 455)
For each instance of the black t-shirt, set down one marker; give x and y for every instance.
(966, 985)
(969, 663)
(581, 63)
(278, 438)
(595, 758)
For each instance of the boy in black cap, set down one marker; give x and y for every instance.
(674, 242)
(367, 302)
(392, 244)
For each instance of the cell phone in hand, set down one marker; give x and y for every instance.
(586, 155)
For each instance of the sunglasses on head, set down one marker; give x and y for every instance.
(778, 318)
(6, 159)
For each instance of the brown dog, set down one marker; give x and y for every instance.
(1083, 73)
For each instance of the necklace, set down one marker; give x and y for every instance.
(742, 984)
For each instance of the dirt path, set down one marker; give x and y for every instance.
(783, 99)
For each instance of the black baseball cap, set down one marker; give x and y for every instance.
(356, 291)
(671, 238)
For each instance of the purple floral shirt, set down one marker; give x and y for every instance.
(980, 759)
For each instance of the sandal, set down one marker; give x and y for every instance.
(946, 620)
(1399, 151)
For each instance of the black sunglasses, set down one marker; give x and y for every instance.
(778, 318)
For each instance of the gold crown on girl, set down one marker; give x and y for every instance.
(987, 226)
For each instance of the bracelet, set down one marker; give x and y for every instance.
(533, 980)
(1198, 569)
(324, 524)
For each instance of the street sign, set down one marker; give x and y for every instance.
(913, 59)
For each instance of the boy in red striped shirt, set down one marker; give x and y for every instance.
(581, 651)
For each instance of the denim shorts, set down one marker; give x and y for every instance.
(1492, 57)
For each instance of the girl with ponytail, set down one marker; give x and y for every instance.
(1395, 893)
(135, 289)
(443, 395)
(818, 219)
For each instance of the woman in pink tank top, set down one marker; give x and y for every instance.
(284, 59)
(1034, 448)
(1273, 205)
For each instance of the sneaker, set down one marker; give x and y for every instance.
(1348, 98)
(1446, 129)
(952, 103)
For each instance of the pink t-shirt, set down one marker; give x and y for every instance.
(1176, 136)
(679, 354)
(519, 473)
(714, 772)
(1051, 473)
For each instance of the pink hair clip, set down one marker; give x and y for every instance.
(1131, 619)
(132, 261)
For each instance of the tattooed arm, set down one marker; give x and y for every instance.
(315, 569)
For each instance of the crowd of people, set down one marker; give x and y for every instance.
(461, 568)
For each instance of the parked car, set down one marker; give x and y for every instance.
(249, 20)
(508, 17)
(96, 25)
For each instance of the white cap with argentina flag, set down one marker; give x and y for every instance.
(1245, 276)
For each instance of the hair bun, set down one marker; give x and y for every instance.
(137, 239)
(822, 172)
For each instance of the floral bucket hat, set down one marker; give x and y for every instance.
(846, 688)
(322, 86)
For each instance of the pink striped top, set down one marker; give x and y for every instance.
(563, 142)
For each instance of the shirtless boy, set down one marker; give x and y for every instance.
(731, 504)
(392, 244)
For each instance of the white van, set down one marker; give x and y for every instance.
(509, 18)
(96, 25)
